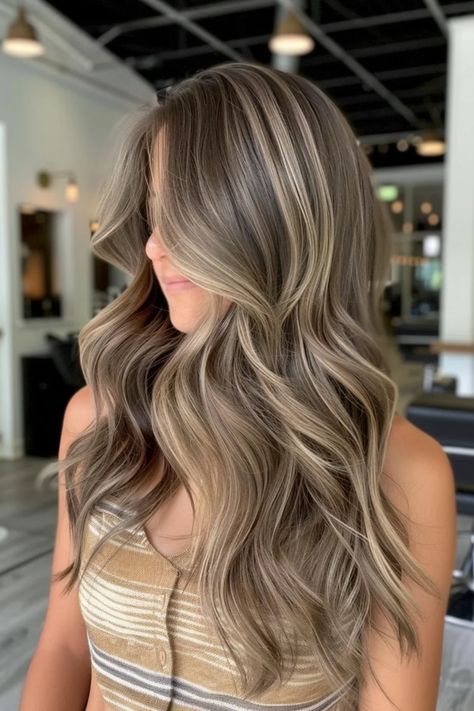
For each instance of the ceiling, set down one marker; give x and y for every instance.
(383, 63)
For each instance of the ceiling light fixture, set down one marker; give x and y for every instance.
(21, 40)
(431, 144)
(291, 37)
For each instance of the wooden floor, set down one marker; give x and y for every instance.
(27, 529)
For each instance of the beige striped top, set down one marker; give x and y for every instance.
(149, 643)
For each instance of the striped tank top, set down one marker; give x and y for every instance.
(149, 643)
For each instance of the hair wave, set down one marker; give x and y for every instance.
(275, 415)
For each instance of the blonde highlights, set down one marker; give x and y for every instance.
(275, 415)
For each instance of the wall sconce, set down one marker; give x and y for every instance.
(71, 193)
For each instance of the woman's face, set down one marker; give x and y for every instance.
(187, 302)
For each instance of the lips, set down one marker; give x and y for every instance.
(172, 284)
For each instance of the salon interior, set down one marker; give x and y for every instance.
(402, 74)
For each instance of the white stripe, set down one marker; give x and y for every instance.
(118, 705)
(208, 658)
(116, 620)
(120, 592)
(112, 695)
(194, 618)
(136, 583)
(99, 530)
(154, 636)
(162, 587)
(117, 599)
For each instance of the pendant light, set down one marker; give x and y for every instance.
(291, 37)
(431, 144)
(21, 40)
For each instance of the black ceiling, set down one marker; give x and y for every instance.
(401, 44)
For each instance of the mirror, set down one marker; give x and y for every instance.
(40, 264)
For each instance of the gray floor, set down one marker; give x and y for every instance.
(27, 528)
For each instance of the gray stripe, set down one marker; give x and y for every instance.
(186, 691)
(149, 682)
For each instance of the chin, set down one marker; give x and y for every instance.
(181, 324)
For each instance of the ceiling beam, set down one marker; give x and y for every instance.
(386, 111)
(196, 13)
(377, 50)
(436, 86)
(437, 14)
(193, 28)
(231, 6)
(393, 17)
(386, 74)
(367, 77)
(147, 60)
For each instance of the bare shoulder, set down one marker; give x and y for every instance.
(419, 480)
(415, 460)
(80, 411)
(404, 431)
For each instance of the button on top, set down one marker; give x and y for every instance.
(163, 657)
(161, 601)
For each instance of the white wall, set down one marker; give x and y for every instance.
(457, 297)
(51, 120)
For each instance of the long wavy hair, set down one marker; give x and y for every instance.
(275, 413)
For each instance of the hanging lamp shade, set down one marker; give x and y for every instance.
(291, 37)
(431, 144)
(21, 40)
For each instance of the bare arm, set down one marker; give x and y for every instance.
(59, 674)
(425, 476)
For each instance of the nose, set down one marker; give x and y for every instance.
(153, 249)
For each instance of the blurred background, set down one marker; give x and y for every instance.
(401, 72)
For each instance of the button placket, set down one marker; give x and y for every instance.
(163, 651)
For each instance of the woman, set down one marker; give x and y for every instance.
(249, 411)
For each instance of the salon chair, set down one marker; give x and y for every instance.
(48, 381)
